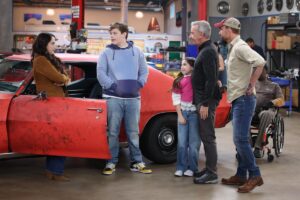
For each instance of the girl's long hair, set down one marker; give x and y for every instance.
(39, 47)
(176, 83)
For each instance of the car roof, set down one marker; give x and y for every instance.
(65, 57)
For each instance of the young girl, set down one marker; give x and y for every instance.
(188, 122)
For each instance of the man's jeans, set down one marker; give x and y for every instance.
(129, 110)
(188, 142)
(243, 110)
(208, 137)
(55, 164)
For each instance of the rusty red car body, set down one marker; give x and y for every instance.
(76, 126)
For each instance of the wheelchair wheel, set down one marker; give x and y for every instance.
(270, 158)
(278, 136)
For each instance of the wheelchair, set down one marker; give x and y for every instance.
(274, 132)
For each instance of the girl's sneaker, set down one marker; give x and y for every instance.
(109, 169)
(188, 173)
(140, 167)
(178, 173)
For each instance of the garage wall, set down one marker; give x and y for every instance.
(253, 25)
(213, 10)
(91, 15)
(140, 25)
(253, 8)
(170, 24)
(6, 40)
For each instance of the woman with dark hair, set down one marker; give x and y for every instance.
(49, 76)
(222, 53)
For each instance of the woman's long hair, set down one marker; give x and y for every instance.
(39, 47)
(176, 83)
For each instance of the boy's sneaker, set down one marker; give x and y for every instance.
(207, 178)
(140, 167)
(178, 173)
(189, 173)
(109, 169)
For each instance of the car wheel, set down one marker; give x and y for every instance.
(159, 140)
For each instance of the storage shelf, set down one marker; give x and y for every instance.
(278, 57)
(285, 50)
(276, 26)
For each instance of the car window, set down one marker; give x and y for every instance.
(75, 73)
(12, 74)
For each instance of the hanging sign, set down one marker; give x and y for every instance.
(75, 11)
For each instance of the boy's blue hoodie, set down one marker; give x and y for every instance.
(122, 72)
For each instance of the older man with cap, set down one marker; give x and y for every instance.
(244, 68)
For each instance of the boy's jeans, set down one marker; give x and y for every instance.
(188, 142)
(243, 110)
(129, 110)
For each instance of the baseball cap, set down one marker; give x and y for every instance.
(230, 22)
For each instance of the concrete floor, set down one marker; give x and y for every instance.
(24, 178)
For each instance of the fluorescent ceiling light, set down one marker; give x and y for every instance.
(50, 12)
(139, 14)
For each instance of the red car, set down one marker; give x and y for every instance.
(76, 126)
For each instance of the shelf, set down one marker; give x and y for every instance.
(288, 25)
(285, 50)
(279, 58)
(175, 49)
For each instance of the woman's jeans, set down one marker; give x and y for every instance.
(188, 142)
(129, 111)
(55, 164)
(242, 111)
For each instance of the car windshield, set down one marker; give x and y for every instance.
(12, 74)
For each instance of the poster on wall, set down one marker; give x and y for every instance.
(178, 19)
(75, 11)
(65, 19)
(32, 18)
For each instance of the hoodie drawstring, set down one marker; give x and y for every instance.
(113, 54)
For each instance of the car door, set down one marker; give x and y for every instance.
(4, 105)
(58, 126)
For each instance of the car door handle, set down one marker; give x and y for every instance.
(99, 110)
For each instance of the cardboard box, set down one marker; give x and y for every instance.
(271, 38)
(271, 35)
(273, 20)
(294, 39)
(283, 42)
(286, 42)
(294, 96)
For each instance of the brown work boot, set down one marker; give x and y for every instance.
(233, 180)
(251, 184)
(55, 177)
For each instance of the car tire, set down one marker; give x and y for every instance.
(159, 139)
